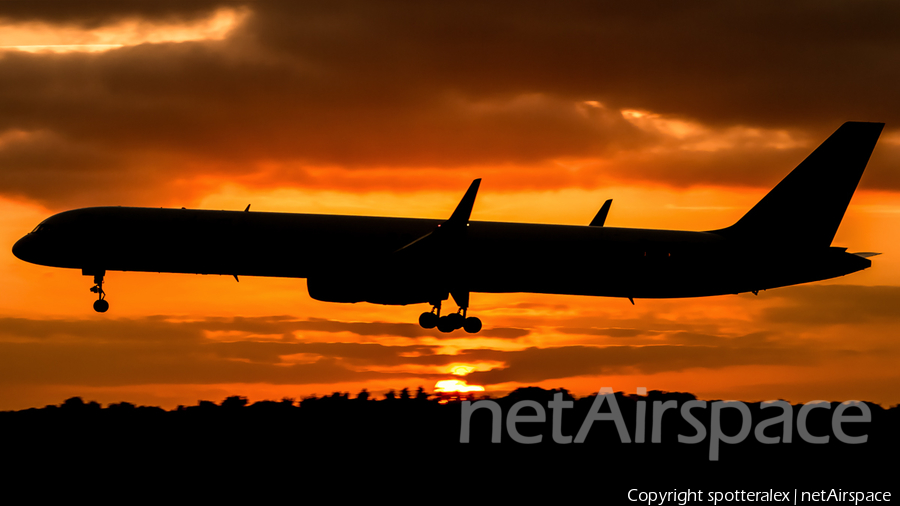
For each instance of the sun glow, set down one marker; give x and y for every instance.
(694, 136)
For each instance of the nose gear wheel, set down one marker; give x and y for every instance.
(100, 305)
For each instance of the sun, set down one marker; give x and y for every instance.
(449, 386)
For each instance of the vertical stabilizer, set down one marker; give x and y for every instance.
(807, 206)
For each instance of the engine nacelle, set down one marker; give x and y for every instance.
(376, 288)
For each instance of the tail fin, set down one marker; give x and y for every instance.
(807, 206)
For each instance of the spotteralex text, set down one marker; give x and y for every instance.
(537, 414)
(684, 497)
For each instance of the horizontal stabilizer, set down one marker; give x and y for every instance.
(600, 219)
(866, 254)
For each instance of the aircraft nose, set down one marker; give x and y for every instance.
(22, 248)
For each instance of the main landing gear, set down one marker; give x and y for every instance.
(100, 305)
(450, 322)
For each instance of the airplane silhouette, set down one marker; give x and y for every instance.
(785, 239)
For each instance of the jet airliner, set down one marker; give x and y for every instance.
(785, 239)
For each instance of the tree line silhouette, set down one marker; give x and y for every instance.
(338, 428)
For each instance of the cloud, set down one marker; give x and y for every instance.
(156, 327)
(283, 349)
(350, 86)
(817, 305)
(504, 333)
(96, 13)
(611, 332)
(538, 364)
(159, 349)
(147, 329)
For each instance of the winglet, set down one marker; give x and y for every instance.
(600, 219)
(456, 224)
(461, 215)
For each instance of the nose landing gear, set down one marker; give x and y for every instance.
(100, 305)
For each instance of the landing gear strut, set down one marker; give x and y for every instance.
(447, 243)
(450, 322)
(429, 320)
(100, 305)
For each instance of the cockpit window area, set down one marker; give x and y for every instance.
(71, 223)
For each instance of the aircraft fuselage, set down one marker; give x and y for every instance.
(355, 256)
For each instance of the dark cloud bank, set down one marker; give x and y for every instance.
(452, 85)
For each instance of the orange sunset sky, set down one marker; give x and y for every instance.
(685, 114)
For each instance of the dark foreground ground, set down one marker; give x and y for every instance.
(362, 444)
